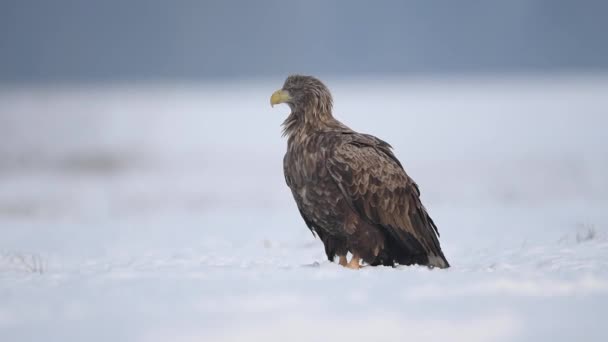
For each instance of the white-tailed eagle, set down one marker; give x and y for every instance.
(350, 188)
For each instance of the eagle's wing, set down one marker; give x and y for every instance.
(376, 186)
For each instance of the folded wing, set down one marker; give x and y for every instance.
(376, 186)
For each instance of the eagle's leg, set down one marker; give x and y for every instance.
(354, 262)
(343, 261)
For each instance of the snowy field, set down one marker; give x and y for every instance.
(160, 213)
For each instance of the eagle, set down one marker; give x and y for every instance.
(349, 187)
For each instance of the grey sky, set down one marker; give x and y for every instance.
(157, 40)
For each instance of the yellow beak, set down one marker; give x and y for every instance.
(279, 96)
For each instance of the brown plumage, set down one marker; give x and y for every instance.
(350, 188)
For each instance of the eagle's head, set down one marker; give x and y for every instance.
(305, 95)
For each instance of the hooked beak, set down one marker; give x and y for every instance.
(279, 96)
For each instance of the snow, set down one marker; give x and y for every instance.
(159, 213)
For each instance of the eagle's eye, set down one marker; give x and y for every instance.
(292, 88)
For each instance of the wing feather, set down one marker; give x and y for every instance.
(376, 186)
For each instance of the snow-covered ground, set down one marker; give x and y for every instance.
(160, 213)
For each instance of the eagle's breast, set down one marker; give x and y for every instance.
(313, 188)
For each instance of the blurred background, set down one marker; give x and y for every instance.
(137, 137)
(155, 40)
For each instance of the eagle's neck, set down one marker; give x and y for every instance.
(300, 124)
